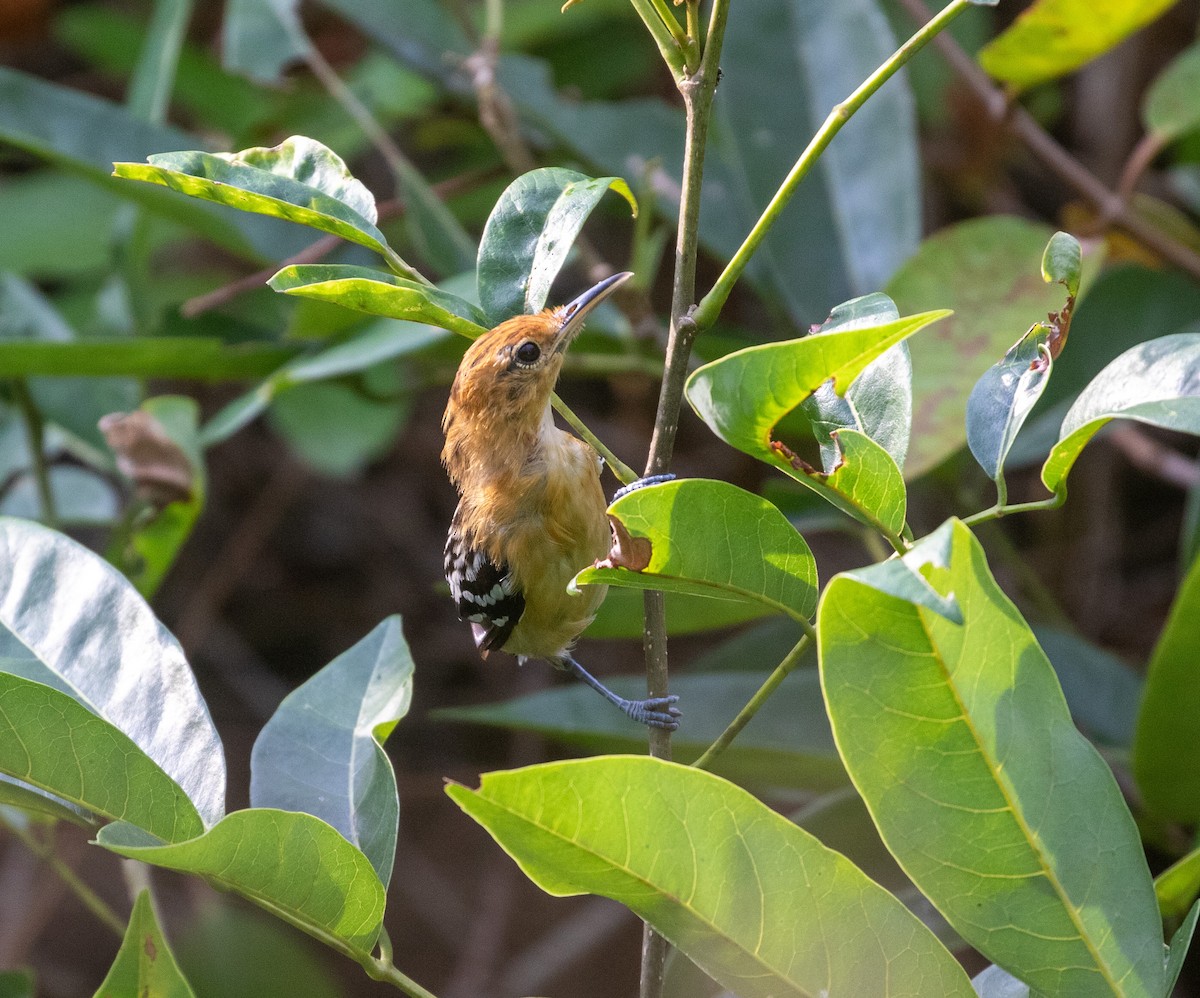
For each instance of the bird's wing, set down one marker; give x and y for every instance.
(484, 592)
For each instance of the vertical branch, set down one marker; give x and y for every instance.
(35, 441)
(697, 91)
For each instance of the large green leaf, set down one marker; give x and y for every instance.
(299, 180)
(621, 615)
(745, 394)
(1170, 109)
(1166, 756)
(1157, 382)
(322, 750)
(529, 234)
(86, 135)
(53, 743)
(692, 536)
(145, 967)
(1055, 37)
(787, 744)
(759, 904)
(960, 742)
(24, 797)
(379, 293)
(71, 621)
(987, 271)
(294, 865)
(201, 358)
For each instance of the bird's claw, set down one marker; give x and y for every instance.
(656, 712)
(641, 483)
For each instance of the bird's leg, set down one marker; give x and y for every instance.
(657, 712)
(641, 483)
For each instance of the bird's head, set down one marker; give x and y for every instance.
(507, 375)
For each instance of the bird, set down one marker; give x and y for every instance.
(532, 511)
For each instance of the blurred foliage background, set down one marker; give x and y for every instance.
(318, 505)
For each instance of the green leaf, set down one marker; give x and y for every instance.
(1157, 382)
(1055, 37)
(81, 497)
(52, 742)
(529, 234)
(787, 745)
(1170, 109)
(198, 358)
(1166, 756)
(378, 293)
(1177, 887)
(960, 742)
(298, 180)
(294, 865)
(621, 614)
(745, 394)
(375, 343)
(334, 428)
(260, 38)
(322, 750)
(735, 891)
(1062, 262)
(986, 270)
(1004, 396)
(16, 984)
(879, 402)
(145, 967)
(71, 621)
(1180, 944)
(31, 800)
(710, 538)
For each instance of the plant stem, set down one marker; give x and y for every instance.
(671, 51)
(710, 307)
(782, 670)
(35, 441)
(382, 969)
(624, 473)
(997, 511)
(672, 23)
(91, 900)
(697, 92)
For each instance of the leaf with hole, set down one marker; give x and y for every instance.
(709, 538)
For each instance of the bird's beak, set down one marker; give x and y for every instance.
(572, 314)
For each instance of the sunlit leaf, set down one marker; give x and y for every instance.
(71, 621)
(294, 865)
(1157, 383)
(1055, 37)
(710, 538)
(960, 742)
(625, 827)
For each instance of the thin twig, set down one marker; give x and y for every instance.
(781, 672)
(35, 440)
(90, 899)
(1146, 453)
(1038, 141)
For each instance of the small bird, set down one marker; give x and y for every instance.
(531, 511)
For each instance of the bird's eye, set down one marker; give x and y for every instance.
(528, 352)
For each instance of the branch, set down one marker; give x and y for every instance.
(1025, 128)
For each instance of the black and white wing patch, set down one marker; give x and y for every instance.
(484, 592)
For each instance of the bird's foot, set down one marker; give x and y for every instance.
(641, 483)
(656, 712)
